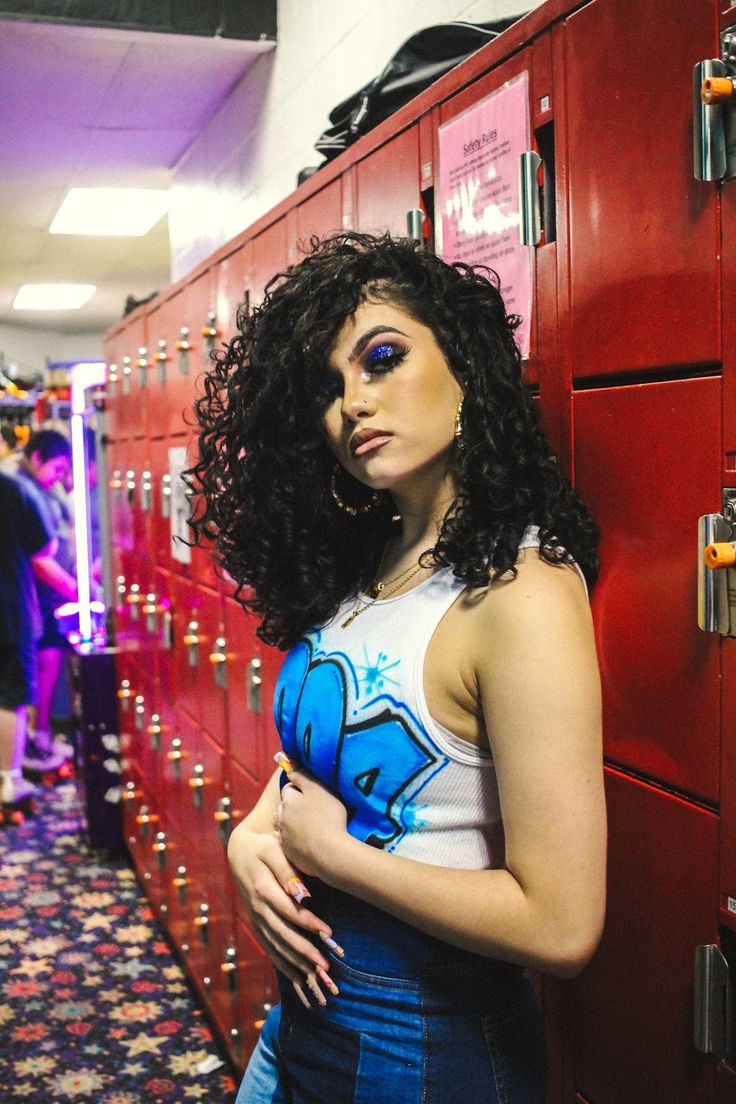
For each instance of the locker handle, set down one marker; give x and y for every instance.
(709, 137)
(147, 818)
(712, 1004)
(530, 223)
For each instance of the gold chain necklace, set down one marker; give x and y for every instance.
(384, 588)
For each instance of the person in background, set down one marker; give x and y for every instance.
(9, 450)
(377, 483)
(46, 461)
(26, 540)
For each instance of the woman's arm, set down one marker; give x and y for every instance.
(538, 687)
(262, 872)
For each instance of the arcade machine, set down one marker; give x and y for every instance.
(93, 666)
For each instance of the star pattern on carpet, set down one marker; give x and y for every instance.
(94, 1008)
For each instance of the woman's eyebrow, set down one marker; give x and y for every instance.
(363, 340)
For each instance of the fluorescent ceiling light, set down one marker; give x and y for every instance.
(53, 296)
(113, 212)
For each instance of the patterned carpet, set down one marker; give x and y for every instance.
(93, 1005)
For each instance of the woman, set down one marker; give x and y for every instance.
(373, 471)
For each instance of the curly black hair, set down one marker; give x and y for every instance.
(261, 485)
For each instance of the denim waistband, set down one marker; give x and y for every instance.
(378, 943)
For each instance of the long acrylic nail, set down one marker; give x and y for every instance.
(301, 994)
(325, 977)
(297, 889)
(315, 989)
(283, 761)
(334, 947)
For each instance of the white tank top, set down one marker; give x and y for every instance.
(350, 706)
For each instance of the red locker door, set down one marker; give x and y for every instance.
(183, 330)
(198, 618)
(267, 254)
(632, 1008)
(214, 673)
(643, 232)
(321, 214)
(230, 284)
(245, 698)
(257, 989)
(387, 185)
(256, 980)
(131, 391)
(647, 465)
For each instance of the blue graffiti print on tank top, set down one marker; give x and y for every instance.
(367, 747)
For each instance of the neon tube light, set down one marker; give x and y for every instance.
(83, 375)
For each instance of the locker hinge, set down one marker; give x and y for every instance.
(712, 1005)
(714, 113)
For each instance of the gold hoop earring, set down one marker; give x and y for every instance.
(459, 439)
(365, 508)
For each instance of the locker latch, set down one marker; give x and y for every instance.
(254, 685)
(229, 968)
(183, 346)
(712, 1004)
(127, 371)
(142, 365)
(196, 784)
(154, 731)
(223, 818)
(162, 358)
(717, 568)
(714, 113)
(180, 883)
(112, 380)
(218, 659)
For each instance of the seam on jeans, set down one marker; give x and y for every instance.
(425, 1051)
(379, 980)
(499, 1076)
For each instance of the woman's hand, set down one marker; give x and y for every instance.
(311, 822)
(270, 886)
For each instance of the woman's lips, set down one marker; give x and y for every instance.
(371, 444)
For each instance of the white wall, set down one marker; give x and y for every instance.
(248, 158)
(32, 348)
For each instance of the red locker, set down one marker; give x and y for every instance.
(632, 1007)
(266, 255)
(643, 270)
(183, 330)
(246, 695)
(387, 185)
(231, 281)
(321, 214)
(647, 464)
(126, 353)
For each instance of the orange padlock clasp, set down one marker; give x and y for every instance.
(720, 554)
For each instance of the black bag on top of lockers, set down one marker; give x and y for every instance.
(423, 59)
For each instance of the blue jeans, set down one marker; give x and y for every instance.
(416, 1022)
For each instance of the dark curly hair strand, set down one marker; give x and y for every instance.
(261, 485)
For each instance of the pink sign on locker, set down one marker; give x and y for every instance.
(478, 208)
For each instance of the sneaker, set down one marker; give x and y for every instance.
(45, 745)
(39, 760)
(14, 788)
(62, 746)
